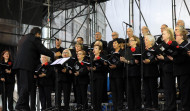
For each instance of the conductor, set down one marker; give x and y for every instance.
(30, 48)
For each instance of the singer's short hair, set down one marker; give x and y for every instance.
(118, 40)
(68, 52)
(36, 30)
(80, 38)
(98, 43)
(151, 38)
(183, 32)
(83, 52)
(48, 58)
(78, 44)
(99, 46)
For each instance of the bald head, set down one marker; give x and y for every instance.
(114, 35)
(180, 23)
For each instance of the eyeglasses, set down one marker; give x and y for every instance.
(65, 52)
(79, 53)
(113, 35)
(131, 40)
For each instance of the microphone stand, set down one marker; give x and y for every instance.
(126, 65)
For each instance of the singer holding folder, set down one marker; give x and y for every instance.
(133, 77)
(168, 77)
(150, 73)
(28, 57)
(181, 67)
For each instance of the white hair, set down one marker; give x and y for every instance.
(48, 58)
(151, 38)
(68, 52)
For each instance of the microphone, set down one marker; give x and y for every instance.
(127, 24)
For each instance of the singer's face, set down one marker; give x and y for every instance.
(177, 30)
(65, 54)
(58, 42)
(144, 30)
(147, 41)
(96, 50)
(78, 48)
(79, 40)
(80, 55)
(129, 32)
(6, 55)
(178, 37)
(163, 27)
(165, 35)
(116, 45)
(98, 36)
(114, 35)
(44, 59)
(132, 42)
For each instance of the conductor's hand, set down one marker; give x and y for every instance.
(188, 52)
(112, 66)
(171, 58)
(8, 71)
(160, 57)
(70, 72)
(35, 76)
(136, 61)
(146, 61)
(3, 79)
(76, 73)
(42, 75)
(64, 70)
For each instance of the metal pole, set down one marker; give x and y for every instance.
(186, 7)
(88, 21)
(172, 15)
(67, 23)
(141, 13)
(106, 17)
(65, 26)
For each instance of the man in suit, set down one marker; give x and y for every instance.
(98, 37)
(110, 44)
(28, 57)
(57, 47)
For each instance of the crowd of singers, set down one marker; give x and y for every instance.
(133, 64)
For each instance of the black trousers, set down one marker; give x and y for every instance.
(185, 92)
(151, 94)
(117, 92)
(24, 84)
(169, 91)
(82, 95)
(9, 89)
(134, 93)
(98, 93)
(66, 88)
(45, 96)
(33, 96)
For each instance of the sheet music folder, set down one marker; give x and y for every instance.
(60, 61)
